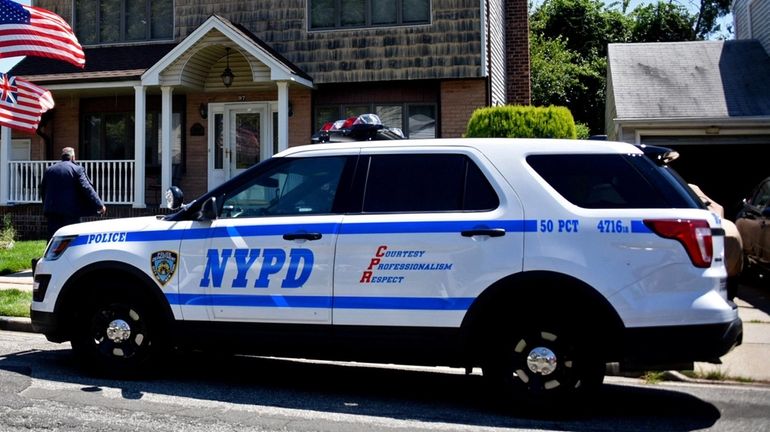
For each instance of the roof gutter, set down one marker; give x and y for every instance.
(762, 121)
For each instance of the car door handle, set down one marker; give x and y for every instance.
(491, 232)
(302, 236)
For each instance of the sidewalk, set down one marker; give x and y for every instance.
(20, 281)
(746, 362)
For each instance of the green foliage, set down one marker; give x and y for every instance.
(563, 77)
(582, 131)
(7, 233)
(19, 257)
(569, 38)
(585, 25)
(653, 377)
(556, 71)
(15, 303)
(513, 121)
(662, 22)
(708, 14)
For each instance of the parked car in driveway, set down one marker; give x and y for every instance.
(752, 222)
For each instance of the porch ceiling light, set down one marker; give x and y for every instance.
(227, 75)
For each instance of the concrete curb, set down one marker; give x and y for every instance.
(16, 324)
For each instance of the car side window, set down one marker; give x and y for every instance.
(426, 183)
(299, 186)
(762, 197)
(599, 181)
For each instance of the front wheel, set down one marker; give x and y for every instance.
(544, 365)
(117, 335)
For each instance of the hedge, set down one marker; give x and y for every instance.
(514, 121)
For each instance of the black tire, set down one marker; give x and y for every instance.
(118, 335)
(519, 370)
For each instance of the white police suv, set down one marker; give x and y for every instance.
(537, 260)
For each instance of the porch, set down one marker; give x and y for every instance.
(113, 180)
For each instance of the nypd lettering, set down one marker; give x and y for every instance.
(382, 254)
(106, 237)
(259, 266)
(163, 264)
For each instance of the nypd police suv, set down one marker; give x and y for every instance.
(537, 260)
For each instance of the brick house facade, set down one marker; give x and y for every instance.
(154, 96)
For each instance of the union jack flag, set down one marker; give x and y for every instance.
(29, 30)
(8, 89)
(22, 103)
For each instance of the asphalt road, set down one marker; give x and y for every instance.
(41, 389)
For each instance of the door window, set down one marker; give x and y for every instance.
(298, 186)
(426, 183)
(762, 197)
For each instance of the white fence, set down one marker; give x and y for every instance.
(112, 179)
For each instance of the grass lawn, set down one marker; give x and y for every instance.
(19, 257)
(15, 303)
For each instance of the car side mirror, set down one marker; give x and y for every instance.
(174, 198)
(208, 210)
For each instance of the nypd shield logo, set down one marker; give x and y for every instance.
(163, 265)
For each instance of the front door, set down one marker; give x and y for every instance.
(239, 137)
(269, 254)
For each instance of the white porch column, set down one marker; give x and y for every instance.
(283, 115)
(167, 137)
(140, 98)
(5, 157)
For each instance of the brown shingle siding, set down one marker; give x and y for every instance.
(449, 47)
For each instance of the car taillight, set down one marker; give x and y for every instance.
(694, 235)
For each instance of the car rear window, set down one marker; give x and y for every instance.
(610, 181)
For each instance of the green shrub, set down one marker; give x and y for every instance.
(7, 232)
(514, 121)
(582, 131)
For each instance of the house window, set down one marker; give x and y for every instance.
(334, 14)
(417, 121)
(115, 21)
(110, 136)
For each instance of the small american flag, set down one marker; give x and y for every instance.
(29, 30)
(22, 103)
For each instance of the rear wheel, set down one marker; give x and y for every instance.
(118, 334)
(544, 364)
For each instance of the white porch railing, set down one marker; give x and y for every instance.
(112, 179)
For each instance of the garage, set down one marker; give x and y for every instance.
(708, 100)
(725, 167)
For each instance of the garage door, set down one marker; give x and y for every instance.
(726, 167)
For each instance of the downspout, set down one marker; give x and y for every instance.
(486, 41)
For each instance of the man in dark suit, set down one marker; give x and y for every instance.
(67, 193)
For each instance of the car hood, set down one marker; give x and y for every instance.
(107, 226)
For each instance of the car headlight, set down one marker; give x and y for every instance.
(57, 246)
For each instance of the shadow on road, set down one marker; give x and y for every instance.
(439, 397)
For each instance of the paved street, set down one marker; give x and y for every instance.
(40, 389)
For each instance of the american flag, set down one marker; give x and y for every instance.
(22, 103)
(29, 30)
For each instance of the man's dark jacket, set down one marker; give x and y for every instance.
(66, 191)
